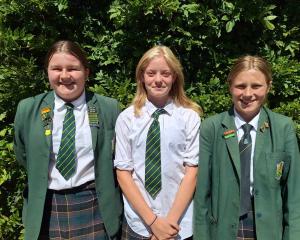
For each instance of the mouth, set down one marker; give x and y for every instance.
(69, 86)
(247, 103)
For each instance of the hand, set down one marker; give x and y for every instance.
(153, 237)
(162, 228)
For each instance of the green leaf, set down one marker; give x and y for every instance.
(271, 17)
(229, 26)
(269, 25)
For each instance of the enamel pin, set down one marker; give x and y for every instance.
(229, 134)
(47, 120)
(279, 169)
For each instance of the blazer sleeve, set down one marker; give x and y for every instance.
(19, 134)
(202, 199)
(291, 192)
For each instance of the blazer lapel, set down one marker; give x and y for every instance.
(46, 113)
(94, 113)
(232, 141)
(262, 135)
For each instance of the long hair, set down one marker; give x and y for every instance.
(249, 62)
(177, 90)
(69, 47)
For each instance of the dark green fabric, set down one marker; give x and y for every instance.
(276, 197)
(32, 148)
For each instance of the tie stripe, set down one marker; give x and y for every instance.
(66, 155)
(153, 161)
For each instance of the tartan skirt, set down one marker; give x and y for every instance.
(246, 229)
(72, 214)
(129, 234)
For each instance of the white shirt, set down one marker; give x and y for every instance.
(179, 130)
(239, 122)
(83, 144)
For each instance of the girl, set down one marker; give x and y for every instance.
(64, 140)
(248, 185)
(157, 145)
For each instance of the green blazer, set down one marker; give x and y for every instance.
(276, 179)
(32, 148)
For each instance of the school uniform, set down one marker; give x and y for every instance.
(179, 139)
(35, 145)
(274, 186)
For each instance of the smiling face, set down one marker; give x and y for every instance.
(249, 90)
(158, 79)
(67, 76)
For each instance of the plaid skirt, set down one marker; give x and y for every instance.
(72, 214)
(129, 234)
(246, 229)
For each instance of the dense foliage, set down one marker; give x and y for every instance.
(206, 35)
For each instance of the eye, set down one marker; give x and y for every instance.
(240, 86)
(150, 73)
(55, 68)
(166, 74)
(73, 68)
(256, 86)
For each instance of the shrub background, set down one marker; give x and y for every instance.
(206, 35)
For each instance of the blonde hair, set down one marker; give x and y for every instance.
(249, 62)
(177, 91)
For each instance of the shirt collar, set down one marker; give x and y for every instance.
(78, 103)
(151, 108)
(239, 121)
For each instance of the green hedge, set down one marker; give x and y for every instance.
(206, 36)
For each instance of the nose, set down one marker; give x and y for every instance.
(248, 92)
(158, 77)
(64, 74)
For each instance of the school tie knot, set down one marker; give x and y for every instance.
(157, 113)
(69, 106)
(247, 137)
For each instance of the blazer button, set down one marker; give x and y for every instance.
(258, 215)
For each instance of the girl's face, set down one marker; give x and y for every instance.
(158, 79)
(67, 76)
(249, 90)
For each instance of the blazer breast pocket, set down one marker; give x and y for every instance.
(278, 167)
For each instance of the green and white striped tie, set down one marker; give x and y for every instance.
(153, 161)
(66, 155)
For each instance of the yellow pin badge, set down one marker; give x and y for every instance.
(46, 118)
(264, 126)
(279, 170)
